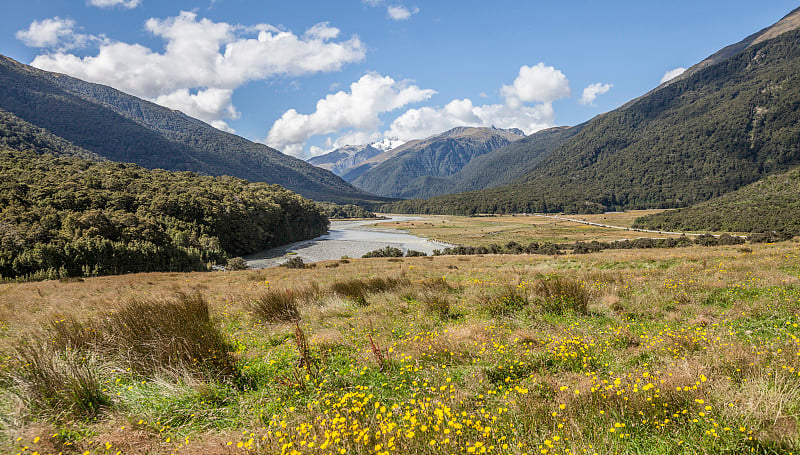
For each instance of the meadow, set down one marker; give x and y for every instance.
(685, 350)
(501, 229)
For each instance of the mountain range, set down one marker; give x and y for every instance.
(405, 171)
(344, 158)
(53, 113)
(727, 122)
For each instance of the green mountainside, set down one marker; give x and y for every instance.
(123, 128)
(505, 165)
(771, 204)
(724, 126)
(17, 134)
(437, 156)
(66, 216)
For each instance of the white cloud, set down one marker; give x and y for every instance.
(400, 13)
(353, 118)
(129, 4)
(537, 84)
(211, 106)
(672, 74)
(207, 58)
(358, 110)
(372, 2)
(591, 92)
(54, 33)
(427, 121)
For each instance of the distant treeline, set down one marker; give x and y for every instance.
(71, 217)
(337, 211)
(551, 249)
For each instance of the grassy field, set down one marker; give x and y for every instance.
(685, 350)
(524, 229)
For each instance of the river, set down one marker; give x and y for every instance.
(345, 238)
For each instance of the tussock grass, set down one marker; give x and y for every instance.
(358, 289)
(58, 383)
(276, 306)
(507, 301)
(559, 295)
(719, 376)
(150, 336)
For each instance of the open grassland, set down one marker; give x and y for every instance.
(501, 229)
(686, 350)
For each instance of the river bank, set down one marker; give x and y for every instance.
(352, 238)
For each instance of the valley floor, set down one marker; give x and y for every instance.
(501, 229)
(682, 350)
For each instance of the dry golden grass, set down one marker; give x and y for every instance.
(524, 229)
(678, 315)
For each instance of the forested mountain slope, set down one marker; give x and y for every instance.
(771, 204)
(726, 125)
(123, 128)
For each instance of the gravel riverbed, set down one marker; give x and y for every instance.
(346, 238)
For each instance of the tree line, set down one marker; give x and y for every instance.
(66, 216)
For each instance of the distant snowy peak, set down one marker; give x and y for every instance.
(344, 158)
(388, 144)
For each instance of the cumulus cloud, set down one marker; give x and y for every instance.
(400, 13)
(536, 84)
(212, 105)
(354, 118)
(591, 92)
(357, 110)
(129, 4)
(54, 33)
(427, 121)
(204, 61)
(672, 74)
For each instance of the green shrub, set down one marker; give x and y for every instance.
(294, 263)
(236, 263)
(387, 252)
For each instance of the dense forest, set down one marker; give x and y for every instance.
(718, 129)
(66, 216)
(771, 204)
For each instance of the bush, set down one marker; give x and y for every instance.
(560, 295)
(236, 263)
(387, 252)
(414, 253)
(276, 306)
(727, 239)
(294, 263)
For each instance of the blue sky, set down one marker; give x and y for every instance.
(307, 76)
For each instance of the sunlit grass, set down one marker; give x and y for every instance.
(680, 351)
